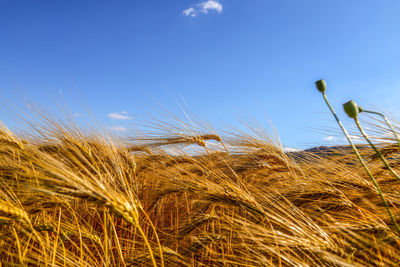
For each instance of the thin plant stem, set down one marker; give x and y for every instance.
(146, 241)
(157, 238)
(377, 186)
(387, 123)
(363, 164)
(376, 150)
(344, 130)
(105, 230)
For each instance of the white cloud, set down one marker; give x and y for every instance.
(210, 5)
(118, 129)
(119, 116)
(189, 12)
(328, 138)
(203, 8)
(290, 149)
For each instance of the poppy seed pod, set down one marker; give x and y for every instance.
(351, 109)
(321, 85)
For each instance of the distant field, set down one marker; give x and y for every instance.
(69, 199)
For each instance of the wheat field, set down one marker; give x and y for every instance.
(189, 197)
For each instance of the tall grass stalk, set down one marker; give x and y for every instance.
(352, 110)
(364, 134)
(374, 181)
(352, 105)
(321, 86)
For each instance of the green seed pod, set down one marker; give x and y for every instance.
(351, 109)
(321, 85)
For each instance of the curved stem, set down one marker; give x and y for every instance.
(363, 164)
(146, 241)
(376, 150)
(157, 238)
(387, 123)
(376, 184)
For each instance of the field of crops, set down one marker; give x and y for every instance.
(183, 195)
(178, 198)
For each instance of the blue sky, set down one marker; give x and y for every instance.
(227, 59)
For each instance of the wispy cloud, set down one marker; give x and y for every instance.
(118, 129)
(328, 138)
(189, 12)
(203, 8)
(290, 149)
(119, 115)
